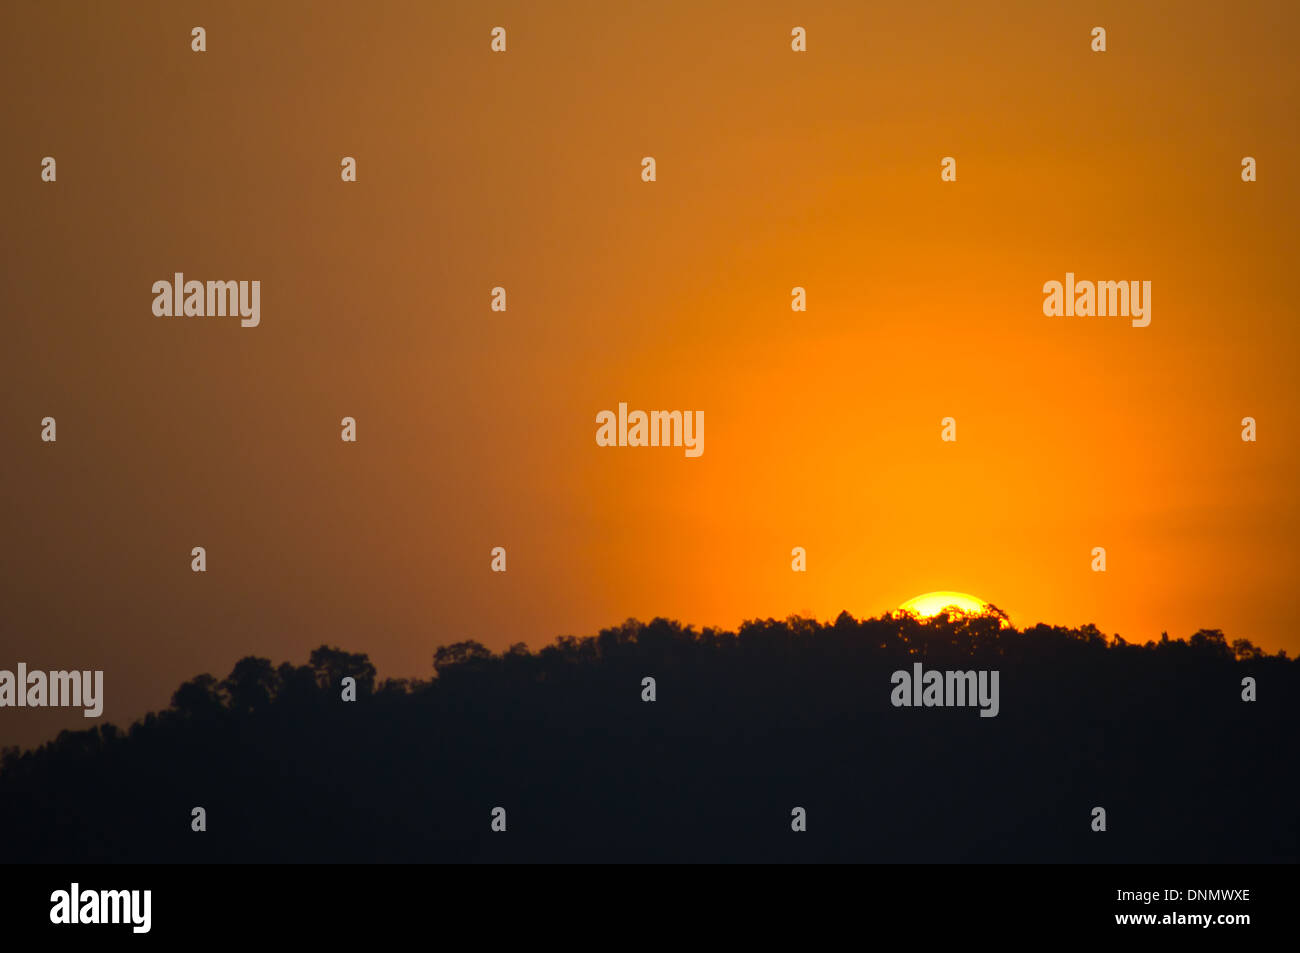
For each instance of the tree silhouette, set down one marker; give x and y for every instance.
(199, 698)
(252, 685)
(746, 724)
(330, 666)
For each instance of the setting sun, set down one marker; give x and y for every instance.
(931, 604)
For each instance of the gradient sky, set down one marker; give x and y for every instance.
(476, 429)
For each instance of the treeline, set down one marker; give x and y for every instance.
(744, 727)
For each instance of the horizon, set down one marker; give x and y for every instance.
(38, 726)
(941, 620)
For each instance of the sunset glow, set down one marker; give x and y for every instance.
(870, 367)
(931, 604)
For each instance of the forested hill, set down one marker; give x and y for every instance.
(657, 742)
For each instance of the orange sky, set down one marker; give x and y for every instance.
(476, 429)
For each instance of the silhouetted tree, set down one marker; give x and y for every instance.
(198, 698)
(331, 666)
(251, 685)
(1210, 642)
(470, 654)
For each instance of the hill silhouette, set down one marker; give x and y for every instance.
(745, 727)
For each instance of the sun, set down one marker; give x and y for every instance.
(931, 604)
